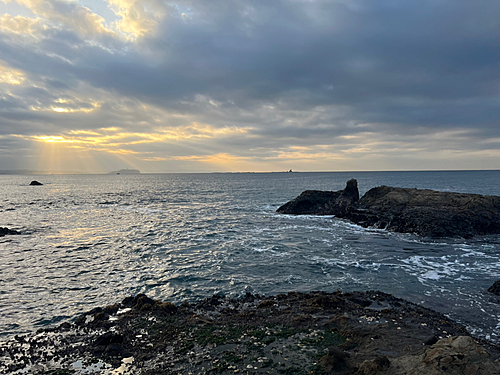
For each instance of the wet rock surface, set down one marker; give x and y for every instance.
(428, 213)
(294, 333)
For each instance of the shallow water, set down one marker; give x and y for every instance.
(91, 240)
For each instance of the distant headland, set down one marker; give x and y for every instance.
(126, 171)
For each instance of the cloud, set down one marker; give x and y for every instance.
(257, 83)
(68, 14)
(11, 76)
(19, 24)
(137, 17)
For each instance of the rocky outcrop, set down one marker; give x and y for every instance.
(428, 213)
(315, 202)
(6, 231)
(495, 288)
(35, 183)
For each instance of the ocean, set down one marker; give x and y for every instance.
(91, 240)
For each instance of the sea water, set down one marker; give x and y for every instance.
(91, 240)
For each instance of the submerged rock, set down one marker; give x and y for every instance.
(424, 212)
(6, 231)
(35, 183)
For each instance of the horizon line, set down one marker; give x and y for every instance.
(33, 172)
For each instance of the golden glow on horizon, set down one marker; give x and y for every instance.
(115, 140)
(59, 155)
(221, 161)
(189, 149)
(85, 152)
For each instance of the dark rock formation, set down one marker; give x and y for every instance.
(335, 361)
(424, 212)
(35, 183)
(349, 332)
(495, 288)
(5, 231)
(315, 202)
(428, 212)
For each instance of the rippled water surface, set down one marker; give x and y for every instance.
(91, 240)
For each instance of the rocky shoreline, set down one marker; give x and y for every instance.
(428, 213)
(295, 333)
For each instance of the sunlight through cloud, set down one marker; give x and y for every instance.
(11, 76)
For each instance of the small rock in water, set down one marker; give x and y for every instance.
(5, 231)
(495, 288)
(35, 183)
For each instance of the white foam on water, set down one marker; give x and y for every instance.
(267, 207)
(432, 275)
(261, 250)
(326, 229)
(272, 252)
(432, 268)
(463, 278)
(471, 252)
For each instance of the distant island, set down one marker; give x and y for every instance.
(126, 171)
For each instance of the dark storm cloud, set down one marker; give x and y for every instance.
(297, 73)
(442, 57)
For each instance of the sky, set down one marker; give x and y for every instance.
(93, 86)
